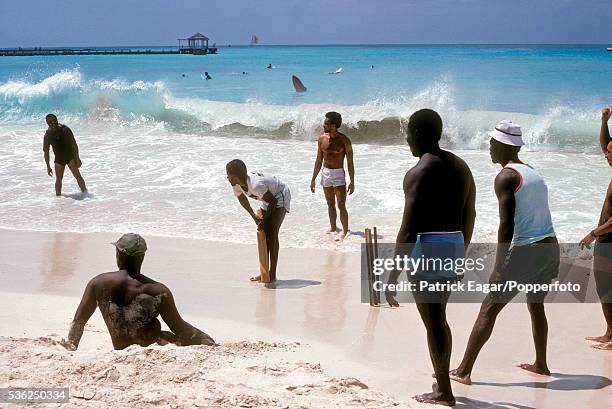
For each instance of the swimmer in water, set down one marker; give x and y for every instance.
(206, 76)
(130, 304)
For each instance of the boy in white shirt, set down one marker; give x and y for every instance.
(275, 200)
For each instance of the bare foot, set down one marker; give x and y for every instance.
(464, 379)
(332, 230)
(534, 369)
(343, 235)
(603, 338)
(256, 279)
(436, 397)
(604, 346)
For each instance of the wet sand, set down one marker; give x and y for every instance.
(317, 304)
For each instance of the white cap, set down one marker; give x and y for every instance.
(509, 133)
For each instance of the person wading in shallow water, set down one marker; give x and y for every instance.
(332, 147)
(130, 304)
(66, 152)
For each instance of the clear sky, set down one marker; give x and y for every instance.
(159, 22)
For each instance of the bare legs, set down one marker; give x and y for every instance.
(483, 328)
(337, 195)
(439, 341)
(272, 228)
(59, 176)
(77, 174)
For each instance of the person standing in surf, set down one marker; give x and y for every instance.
(602, 254)
(332, 147)
(66, 152)
(527, 249)
(439, 215)
(275, 199)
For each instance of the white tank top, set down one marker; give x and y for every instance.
(532, 220)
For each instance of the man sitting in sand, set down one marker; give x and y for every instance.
(527, 250)
(275, 199)
(602, 254)
(332, 148)
(66, 152)
(130, 303)
(440, 197)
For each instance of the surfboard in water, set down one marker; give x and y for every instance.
(297, 84)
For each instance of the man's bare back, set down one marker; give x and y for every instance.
(130, 303)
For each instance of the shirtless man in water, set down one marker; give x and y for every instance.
(130, 303)
(66, 151)
(602, 254)
(332, 148)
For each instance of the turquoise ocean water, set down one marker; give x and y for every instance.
(155, 135)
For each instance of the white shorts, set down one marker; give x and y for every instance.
(333, 177)
(283, 199)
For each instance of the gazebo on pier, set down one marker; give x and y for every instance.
(196, 44)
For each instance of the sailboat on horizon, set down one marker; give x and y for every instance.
(254, 40)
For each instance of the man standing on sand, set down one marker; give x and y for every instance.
(66, 152)
(440, 197)
(527, 249)
(130, 303)
(275, 199)
(602, 254)
(332, 148)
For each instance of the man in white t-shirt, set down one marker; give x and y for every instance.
(275, 201)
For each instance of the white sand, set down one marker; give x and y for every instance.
(312, 335)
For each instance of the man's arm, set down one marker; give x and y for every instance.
(244, 202)
(348, 149)
(46, 145)
(271, 200)
(84, 311)
(186, 333)
(408, 231)
(505, 184)
(317, 166)
(469, 212)
(604, 133)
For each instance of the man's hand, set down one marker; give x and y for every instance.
(49, 171)
(390, 297)
(351, 188)
(312, 185)
(587, 240)
(496, 277)
(605, 114)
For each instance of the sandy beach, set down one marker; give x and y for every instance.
(308, 343)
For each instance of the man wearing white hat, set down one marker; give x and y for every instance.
(130, 303)
(527, 250)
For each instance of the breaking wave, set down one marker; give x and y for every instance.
(77, 99)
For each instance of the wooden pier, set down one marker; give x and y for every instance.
(197, 44)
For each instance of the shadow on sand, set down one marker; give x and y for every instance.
(561, 382)
(291, 284)
(466, 403)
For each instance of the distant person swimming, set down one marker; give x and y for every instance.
(130, 304)
(206, 76)
(332, 147)
(269, 66)
(66, 152)
(275, 199)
